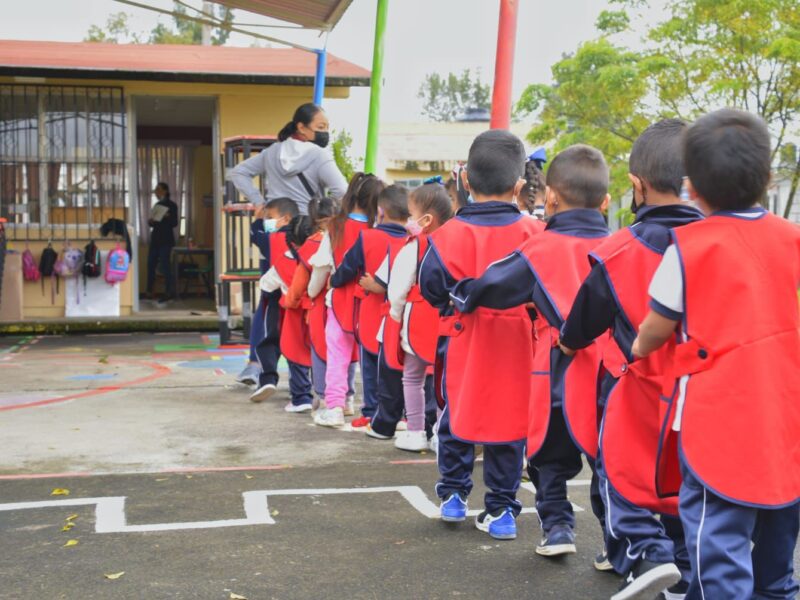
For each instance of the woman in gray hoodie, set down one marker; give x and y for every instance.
(298, 166)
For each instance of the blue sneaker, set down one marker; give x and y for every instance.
(501, 526)
(559, 540)
(453, 509)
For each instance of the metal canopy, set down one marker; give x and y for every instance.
(313, 14)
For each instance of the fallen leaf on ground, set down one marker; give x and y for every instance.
(237, 597)
(103, 360)
(60, 492)
(114, 575)
(72, 517)
(248, 476)
(399, 543)
(162, 479)
(71, 543)
(68, 526)
(275, 513)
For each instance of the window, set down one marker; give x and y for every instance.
(62, 158)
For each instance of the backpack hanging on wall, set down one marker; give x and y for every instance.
(30, 272)
(91, 263)
(117, 265)
(47, 264)
(69, 265)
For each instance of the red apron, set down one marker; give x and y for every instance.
(422, 330)
(740, 430)
(294, 341)
(560, 265)
(482, 375)
(343, 299)
(315, 310)
(372, 308)
(633, 412)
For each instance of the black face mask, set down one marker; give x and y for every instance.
(321, 138)
(635, 207)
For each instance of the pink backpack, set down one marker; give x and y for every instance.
(117, 265)
(30, 272)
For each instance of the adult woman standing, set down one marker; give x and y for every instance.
(163, 220)
(297, 166)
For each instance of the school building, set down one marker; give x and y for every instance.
(86, 130)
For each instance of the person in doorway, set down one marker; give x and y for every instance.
(163, 220)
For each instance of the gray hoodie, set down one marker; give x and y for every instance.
(280, 164)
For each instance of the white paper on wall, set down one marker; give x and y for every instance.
(97, 299)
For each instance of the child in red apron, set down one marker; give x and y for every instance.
(411, 332)
(484, 359)
(731, 424)
(547, 271)
(279, 213)
(320, 212)
(369, 262)
(357, 214)
(614, 296)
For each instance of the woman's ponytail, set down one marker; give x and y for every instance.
(288, 131)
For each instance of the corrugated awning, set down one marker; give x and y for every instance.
(313, 14)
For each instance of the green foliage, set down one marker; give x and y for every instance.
(706, 54)
(342, 146)
(444, 98)
(184, 31)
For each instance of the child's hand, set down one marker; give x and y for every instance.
(368, 283)
(261, 211)
(636, 350)
(565, 350)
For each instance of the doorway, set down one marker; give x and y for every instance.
(174, 145)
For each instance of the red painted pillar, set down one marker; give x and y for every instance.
(504, 64)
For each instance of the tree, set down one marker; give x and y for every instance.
(342, 145)
(185, 31)
(705, 55)
(445, 98)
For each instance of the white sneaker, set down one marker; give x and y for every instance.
(412, 441)
(249, 375)
(329, 417)
(402, 425)
(297, 408)
(350, 406)
(374, 434)
(433, 444)
(265, 392)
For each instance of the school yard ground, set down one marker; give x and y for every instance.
(132, 467)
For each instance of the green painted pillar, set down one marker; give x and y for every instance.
(375, 88)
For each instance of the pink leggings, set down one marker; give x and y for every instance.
(340, 355)
(414, 391)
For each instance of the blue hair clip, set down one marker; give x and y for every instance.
(539, 156)
(435, 179)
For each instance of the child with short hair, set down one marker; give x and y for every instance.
(547, 271)
(411, 332)
(279, 213)
(614, 296)
(728, 285)
(482, 405)
(358, 212)
(364, 259)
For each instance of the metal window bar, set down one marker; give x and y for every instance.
(63, 163)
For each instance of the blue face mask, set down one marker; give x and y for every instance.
(470, 199)
(270, 225)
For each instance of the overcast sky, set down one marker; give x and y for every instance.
(423, 36)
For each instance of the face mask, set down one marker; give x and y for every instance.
(470, 199)
(270, 225)
(321, 138)
(413, 227)
(634, 207)
(685, 192)
(538, 211)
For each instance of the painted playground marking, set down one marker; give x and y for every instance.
(110, 516)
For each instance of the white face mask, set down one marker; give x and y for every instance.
(413, 227)
(270, 225)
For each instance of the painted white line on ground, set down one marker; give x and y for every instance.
(110, 514)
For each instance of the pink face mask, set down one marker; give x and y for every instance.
(413, 227)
